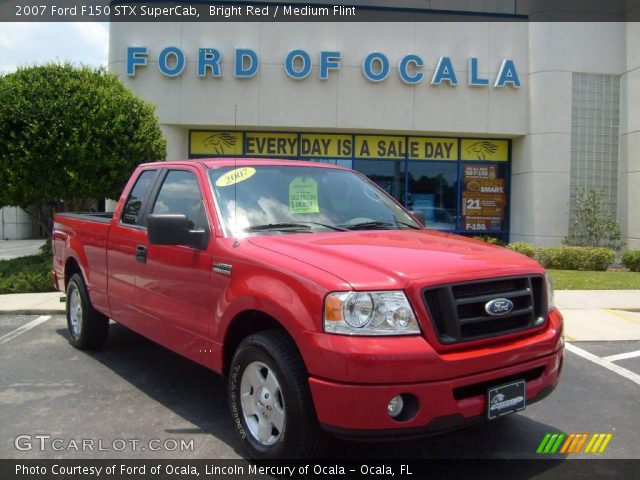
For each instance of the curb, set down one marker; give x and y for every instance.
(32, 312)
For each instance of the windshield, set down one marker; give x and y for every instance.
(294, 199)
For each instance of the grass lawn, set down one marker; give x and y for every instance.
(574, 280)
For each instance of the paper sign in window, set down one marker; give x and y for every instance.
(303, 195)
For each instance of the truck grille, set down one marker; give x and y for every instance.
(458, 310)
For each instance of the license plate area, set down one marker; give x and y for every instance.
(506, 399)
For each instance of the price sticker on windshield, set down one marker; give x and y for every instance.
(235, 176)
(303, 195)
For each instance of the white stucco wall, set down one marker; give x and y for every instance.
(541, 165)
(537, 117)
(346, 100)
(629, 166)
(15, 224)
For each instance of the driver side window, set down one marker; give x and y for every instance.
(180, 194)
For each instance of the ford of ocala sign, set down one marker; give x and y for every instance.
(298, 65)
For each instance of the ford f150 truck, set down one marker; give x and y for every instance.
(326, 304)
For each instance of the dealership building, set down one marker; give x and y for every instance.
(488, 127)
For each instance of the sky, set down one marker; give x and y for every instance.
(28, 43)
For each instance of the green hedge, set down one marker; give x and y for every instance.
(523, 248)
(568, 258)
(631, 259)
(577, 258)
(26, 274)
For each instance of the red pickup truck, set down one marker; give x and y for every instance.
(327, 305)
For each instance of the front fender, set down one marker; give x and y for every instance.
(297, 306)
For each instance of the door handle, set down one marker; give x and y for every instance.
(141, 253)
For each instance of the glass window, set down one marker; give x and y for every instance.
(388, 174)
(433, 189)
(180, 194)
(484, 197)
(292, 199)
(138, 193)
(341, 162)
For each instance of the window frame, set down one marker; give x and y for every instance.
(155, 192)
(142, 214)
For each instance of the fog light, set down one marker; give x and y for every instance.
(395, 406)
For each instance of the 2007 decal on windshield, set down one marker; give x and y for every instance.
(235, 176)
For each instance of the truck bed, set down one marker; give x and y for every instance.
(82, 237)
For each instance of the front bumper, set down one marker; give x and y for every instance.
(361, 410)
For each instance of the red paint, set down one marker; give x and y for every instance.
(177, 300)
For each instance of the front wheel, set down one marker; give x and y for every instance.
(270, 401)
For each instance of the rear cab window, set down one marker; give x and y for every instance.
(132, 211)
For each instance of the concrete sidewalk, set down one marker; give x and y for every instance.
(32, 303)
(593, 315)
(590, 315)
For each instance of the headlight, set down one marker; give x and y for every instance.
(550, 300)
(369, 313)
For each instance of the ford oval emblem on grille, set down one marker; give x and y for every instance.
(498, 306)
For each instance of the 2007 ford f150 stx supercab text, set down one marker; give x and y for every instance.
(327, 305)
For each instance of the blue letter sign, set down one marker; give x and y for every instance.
(444, 72)
(209, 58)
(507, 74)
(251, 69)
(136, 56)
(367, 66)
(289, 64)
(163, 62)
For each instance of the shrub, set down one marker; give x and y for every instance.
(576, 258)
(592, 223)
(26, 282)
(26, 274)
(70, 135)
(488, 239)
(631, 259)
(523, 248)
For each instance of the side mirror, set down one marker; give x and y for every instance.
(173, 229)
(419, 214)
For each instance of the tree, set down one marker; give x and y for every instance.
(592, 224)
(68, 136)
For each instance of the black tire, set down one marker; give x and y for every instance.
(301, 435)
(87, 327)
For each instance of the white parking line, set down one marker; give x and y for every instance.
(603, 362)
(622, 356)
(24, 328)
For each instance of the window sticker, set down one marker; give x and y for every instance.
(303, 195)
(235, 176)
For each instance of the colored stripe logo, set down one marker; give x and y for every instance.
(574, 443)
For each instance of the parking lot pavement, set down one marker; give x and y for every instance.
(19, 248)
(133, 392)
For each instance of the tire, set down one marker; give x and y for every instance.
(87, 327)
(277, 419)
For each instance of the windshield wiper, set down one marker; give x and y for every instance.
(291, 226)
(332, 227)
(277, 226)
(378, 225)
(375, 225)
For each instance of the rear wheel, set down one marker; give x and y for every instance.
(87, 327)
(270, 401)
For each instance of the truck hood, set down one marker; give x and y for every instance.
(394, 258)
